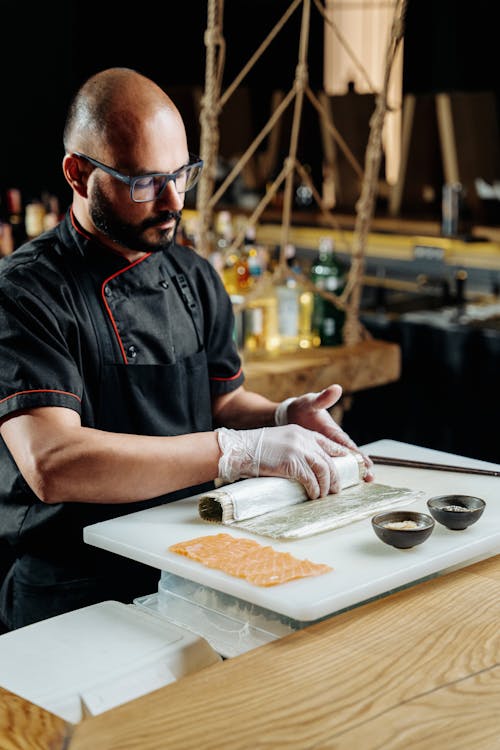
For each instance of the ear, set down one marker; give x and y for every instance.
(76, 174)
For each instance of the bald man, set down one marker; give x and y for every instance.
(120, 384)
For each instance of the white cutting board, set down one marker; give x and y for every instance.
(363, 567)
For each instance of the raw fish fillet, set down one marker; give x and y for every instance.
(245, 558)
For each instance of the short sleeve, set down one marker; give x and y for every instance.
(36, 366)
(224, 361)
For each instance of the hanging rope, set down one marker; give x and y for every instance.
(209, 121)
(212, 102)
(353, 330)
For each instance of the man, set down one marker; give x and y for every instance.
(117, 362)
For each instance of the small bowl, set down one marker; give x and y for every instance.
(390, 527)
(456, 511)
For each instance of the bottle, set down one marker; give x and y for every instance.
(6, 238)
(255, 256)
(327, 274)
(34, 215)
(235, 272)
(14, 205)
(450, 209)
(52, 210)
(261, 334)
(307, 338)
(288, 306)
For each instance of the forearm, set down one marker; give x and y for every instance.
(114, 468)
(79, 464)
(243, 409)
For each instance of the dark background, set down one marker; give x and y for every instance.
(49, 49)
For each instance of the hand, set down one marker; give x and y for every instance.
(311, 411)
(289, 451)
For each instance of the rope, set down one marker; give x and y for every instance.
(209, 140)
(252, 148)
(258, 53)
(212, 103)
(299, 84)
(353, 330)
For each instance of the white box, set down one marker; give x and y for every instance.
(98, 657)
(230, 625)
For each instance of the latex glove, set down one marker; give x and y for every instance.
(289, 451)
(311, 411)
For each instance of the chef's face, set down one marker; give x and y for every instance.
(139, 230)
(150, 226)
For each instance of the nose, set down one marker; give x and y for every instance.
(170, 198)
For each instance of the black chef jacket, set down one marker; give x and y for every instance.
(134, 347)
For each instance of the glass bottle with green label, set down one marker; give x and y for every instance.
(329, 275)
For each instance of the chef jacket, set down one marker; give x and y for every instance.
(134, 347)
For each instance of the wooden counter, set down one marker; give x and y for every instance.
(364, 365)
(418, 668)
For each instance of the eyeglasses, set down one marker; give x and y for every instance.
(149, 187)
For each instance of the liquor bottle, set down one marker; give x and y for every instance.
(328, 275)
(235, 272)
(295, 307)
(34, 215)
(52, 210)
(288, 306)
(6, 239)
(255, 254)
(307, 338)
(261, 334)
(14, 205)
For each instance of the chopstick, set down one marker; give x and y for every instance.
(390, 461)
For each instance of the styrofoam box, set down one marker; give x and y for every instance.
(97, 657)
(230, 625)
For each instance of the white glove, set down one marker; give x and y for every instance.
(289, 451)
(311, 411)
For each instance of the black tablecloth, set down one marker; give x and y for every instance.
(448, 396)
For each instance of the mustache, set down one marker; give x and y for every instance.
(160, 218)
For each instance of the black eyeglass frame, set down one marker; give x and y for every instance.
(194, 161)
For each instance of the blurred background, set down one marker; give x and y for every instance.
(53, 47)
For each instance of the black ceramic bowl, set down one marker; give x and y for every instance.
(456, 511)
(402, 528)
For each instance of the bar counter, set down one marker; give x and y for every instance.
(357, 367)
(418, 668)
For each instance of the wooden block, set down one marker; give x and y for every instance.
(24, 725)
(364, 365)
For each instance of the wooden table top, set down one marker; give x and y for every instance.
(364, 365)
(419, 668)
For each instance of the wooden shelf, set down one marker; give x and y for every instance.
(364, 365)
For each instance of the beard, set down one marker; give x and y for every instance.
(131, 236)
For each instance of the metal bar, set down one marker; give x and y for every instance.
(390, 461)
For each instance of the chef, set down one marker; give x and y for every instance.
(120, 383)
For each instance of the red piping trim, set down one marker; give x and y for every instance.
(76, 227)
(233, 377)
(108, 309)
(41, 390)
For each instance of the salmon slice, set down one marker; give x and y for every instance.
(244, 558)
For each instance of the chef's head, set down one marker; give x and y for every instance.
(127, 161)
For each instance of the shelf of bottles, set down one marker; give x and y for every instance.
(20, 222)
(276, 310)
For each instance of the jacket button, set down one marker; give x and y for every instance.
(164, 284)
(107, 291)
(132, 351)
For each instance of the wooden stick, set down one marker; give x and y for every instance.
(390, 461)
